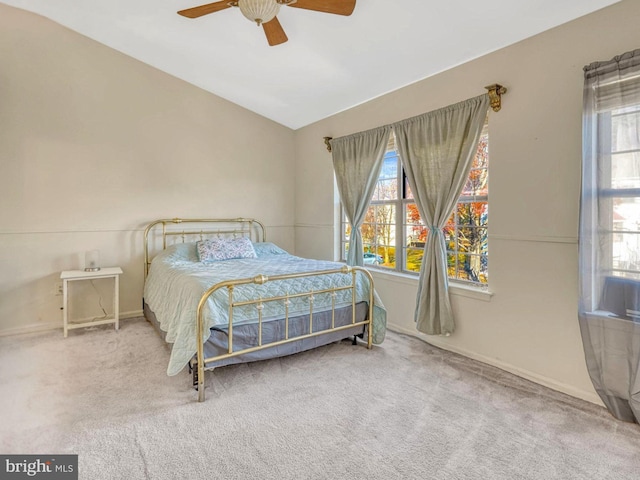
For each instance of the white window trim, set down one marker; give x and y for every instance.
(455, 288)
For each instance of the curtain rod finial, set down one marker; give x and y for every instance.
(495, 92)
(326, 142)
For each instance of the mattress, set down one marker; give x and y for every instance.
(246, 336)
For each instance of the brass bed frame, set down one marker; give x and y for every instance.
(255, 230)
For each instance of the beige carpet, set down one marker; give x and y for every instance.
(404, 410)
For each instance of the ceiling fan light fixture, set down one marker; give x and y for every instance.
(259, 11)
(264, 12)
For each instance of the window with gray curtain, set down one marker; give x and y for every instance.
(394, 234)
(438, 150)
(357, 160)
(609, 308)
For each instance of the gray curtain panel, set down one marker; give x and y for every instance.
(357, 161)
(609, 305)
(437, 150)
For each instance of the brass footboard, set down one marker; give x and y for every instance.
(259, 303)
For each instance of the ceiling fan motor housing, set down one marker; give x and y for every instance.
(259, 11)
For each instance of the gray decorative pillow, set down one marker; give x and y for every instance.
(217, 249)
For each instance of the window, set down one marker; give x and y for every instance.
(394, 235)
(620, 191)
(609, 242)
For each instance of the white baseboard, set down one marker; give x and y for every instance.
(45, 327)
(534, 377)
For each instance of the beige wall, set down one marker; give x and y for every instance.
(530, 324)
(94, 145)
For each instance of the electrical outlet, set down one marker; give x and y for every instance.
(58, 288)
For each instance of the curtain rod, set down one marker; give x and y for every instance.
(494, 91)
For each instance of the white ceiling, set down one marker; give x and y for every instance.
(330, 63)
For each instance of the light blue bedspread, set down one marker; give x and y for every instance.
(177, 281)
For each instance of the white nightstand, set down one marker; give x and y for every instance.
(75, 275)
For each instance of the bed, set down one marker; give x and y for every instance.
(220, 294)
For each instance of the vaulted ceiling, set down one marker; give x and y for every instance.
(330, 63)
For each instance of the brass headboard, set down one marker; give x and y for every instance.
(199, 227)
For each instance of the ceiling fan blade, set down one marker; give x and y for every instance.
(196, 12)
(338, 7)
(274, 32)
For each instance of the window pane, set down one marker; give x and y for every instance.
(376, 193)
(412, 215)
(477, 183)
(408, 194)
(625, 132)
(472, 268)
(387, 185)
(385, 234)
(472, 240)
(367, 230)
(483, 273)
(451, 265)
(625, 246)
(385, 213)
(481, 160)
(389, 166)
(473, 214)
(389, 189)
(370, 216)
(626, 214)
(414, 258)
(450, 238)
(467, 242)
(463, 269)
(452, 219)
(625, 170)
(415, 236)
(626, 251)
(415, 231)
(386, 190)
(388, 255)
(347, 232)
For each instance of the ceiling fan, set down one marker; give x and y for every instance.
(264, 12)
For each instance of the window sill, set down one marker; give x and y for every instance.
(454, 288)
